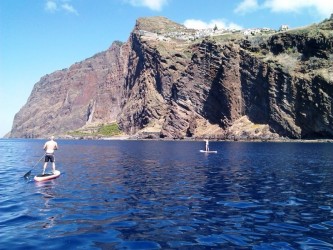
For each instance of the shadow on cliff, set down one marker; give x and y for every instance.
(216, 108)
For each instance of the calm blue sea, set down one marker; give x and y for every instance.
(168, 195)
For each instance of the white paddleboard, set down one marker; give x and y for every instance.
(208, 152)
(48, 176)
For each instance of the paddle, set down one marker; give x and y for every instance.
(27, 175)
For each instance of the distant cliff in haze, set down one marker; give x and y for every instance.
(167, 81)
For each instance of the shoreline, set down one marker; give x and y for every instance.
(132, 138)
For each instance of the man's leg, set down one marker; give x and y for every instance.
(44, 167)
(53, 166)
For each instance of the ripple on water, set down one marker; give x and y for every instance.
(259, 216)
(289, 226)
(328, 223)
(9, 209)
(123, 224)
(103, 235)
(287, 203)
(312, 243)
(178, 244)
(268, 211)
(274, 246)
(210, 240)
(327, 208)
(318, 227)
(239, 204)
(18, 219)
(235, 239)
(138, 245)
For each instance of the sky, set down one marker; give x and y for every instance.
(38, 37)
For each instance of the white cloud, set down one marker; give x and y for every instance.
(323, 7)
(195, 24)
(69, 8)
(151, 4)
(51, 6)
(247, 6)
(58, 5)
(220, 24)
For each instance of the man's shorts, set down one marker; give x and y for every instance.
(49, 157)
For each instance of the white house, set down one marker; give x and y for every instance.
(284, 27)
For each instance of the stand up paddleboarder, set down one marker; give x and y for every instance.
(49, 148)
(207, 146)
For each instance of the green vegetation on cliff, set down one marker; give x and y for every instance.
(109, 130)
(101, 130)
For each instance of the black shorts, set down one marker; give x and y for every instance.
(49, 157)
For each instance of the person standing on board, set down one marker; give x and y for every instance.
(49, 148)
(207, 147)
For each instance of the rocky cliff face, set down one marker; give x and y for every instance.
(87, 92)
(227, 86)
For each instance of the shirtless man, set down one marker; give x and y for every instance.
(207, 147)
(49, 148)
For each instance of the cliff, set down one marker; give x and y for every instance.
(87, 92)
(166, 82)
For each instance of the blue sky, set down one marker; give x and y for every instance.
(38, 37)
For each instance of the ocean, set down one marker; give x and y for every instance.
(124, 194)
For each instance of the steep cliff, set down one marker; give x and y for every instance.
(166, 82)
(85, 93)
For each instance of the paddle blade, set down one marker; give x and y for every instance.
(27, 175)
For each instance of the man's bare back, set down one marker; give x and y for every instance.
(50, 146)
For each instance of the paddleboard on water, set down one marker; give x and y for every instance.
(204, 151)
(47, 176)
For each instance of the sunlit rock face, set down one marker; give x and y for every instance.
(168, 82)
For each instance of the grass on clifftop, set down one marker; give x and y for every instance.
(102, 130)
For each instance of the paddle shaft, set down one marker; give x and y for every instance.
(28, 173)
(39, 160)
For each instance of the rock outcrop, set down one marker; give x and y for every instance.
(158, 84)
